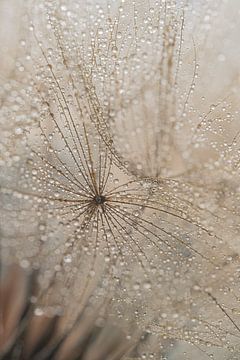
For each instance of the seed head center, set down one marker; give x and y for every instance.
(99, 199)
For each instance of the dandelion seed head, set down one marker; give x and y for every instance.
(125, 179)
